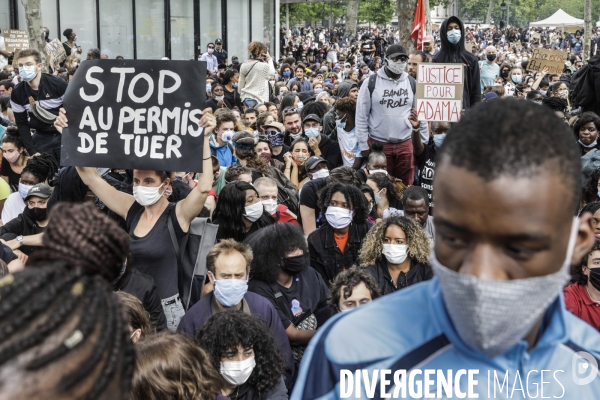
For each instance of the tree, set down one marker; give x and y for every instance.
(378, 12)
(488, 17)
(406, 16)
(351, 17)
(33, 16)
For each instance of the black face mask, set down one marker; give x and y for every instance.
(595, 277)
(504, 74)
(294, 265)
(37, 214)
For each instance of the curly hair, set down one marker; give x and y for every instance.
(555, 103)
(262, 118)
(416, 238)
(230, 209)
(354, 197)
(244, 150)
(346, 105)
(577, 275)
(384, 182)
(80, 235)
(13, 136)
(256, 49)
(43, 167)
(345, 175)
(316, 107)
(590, 189)
(583, 119)
(348, 280)
(234, 171)
(270, 245)
(172, 366)
(224, 116)
(225, 331)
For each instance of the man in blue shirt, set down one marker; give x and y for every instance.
(493, 319)
(488, 69)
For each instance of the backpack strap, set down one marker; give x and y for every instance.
(173, 239)
(371, 84)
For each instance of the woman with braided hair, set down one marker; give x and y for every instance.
(153, 223)
(39, 169)
(64, 335)
(80, 235)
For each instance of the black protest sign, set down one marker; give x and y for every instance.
(135, 114)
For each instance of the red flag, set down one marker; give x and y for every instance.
(419, 24)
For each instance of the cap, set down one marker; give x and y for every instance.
(490, 96)
(306, 97)
(312, 162)
(395, 50)
(277, 125)
(312, 117)
(40, 190)
(218, 41)
(428, 39)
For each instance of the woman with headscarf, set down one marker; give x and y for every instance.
(452, 51)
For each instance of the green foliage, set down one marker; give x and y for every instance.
(312, 13)
(379, 12)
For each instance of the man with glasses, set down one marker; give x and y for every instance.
(212, 63)
(220, 52)
(384, 113)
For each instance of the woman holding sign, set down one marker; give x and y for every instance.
(148, 215)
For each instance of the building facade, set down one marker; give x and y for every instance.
(152, 29)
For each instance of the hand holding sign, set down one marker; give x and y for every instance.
(136, 115)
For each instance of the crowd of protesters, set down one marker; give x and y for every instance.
(319, 183)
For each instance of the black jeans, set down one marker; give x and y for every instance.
(48, 143)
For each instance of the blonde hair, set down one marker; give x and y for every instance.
(256, 49)
(416, 238)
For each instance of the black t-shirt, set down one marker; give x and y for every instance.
(310, 194)
(308, 294)
(330, 151)
(154, 254)
(426, 166)
(279, 156)
(13, 177)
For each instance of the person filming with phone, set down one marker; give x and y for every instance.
(253, 87)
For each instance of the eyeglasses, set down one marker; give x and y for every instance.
(290, 110)
(270, 132)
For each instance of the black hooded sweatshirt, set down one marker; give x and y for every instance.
(456, 53)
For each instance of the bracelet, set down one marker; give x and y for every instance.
(206, 158)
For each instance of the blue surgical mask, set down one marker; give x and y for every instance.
(318, 90)
(235, 85)
(439, 139)
(454, 36)
(517, 78)
(230, 292)
(208, 88)
(378, 197)
(300, 106)
(311, 132)
(340, 124)
(27, 73)
(24, 189)
(287, 74)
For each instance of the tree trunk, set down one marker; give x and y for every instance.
(33, 16)
(587, 36)
(488, 17)
(427, 18)
(351, 16)
(406, 16)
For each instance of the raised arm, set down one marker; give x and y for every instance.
(189, 208)
(118, 202)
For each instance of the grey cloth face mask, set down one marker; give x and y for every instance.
(492, 316)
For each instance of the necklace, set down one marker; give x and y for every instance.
(588, 292)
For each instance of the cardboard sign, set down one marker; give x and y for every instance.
(536, 35)
(15, 40)
(135, 114)
(440, 91)
(56, 53)
(553, 59)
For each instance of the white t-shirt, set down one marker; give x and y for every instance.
(3, 60)
(13, 206)
(349, 146)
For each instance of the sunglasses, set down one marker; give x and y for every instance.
(211, 47)
(270, 132)
(289, 110)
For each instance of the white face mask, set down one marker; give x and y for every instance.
(372, 171)
(254, 211)
(396, 67)
(147, 195)
(338, 217)
(492, 316)
(270, 206)
(237, 372)
(395, 253)
(322, 173)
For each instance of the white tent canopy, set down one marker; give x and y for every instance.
(559, 18)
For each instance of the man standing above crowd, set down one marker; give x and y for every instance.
(220, 52)
(488, 69)
(452, 35)
(212, 63)
(47, 91)
(384, 113)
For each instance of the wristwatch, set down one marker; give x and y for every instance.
(20, 240)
